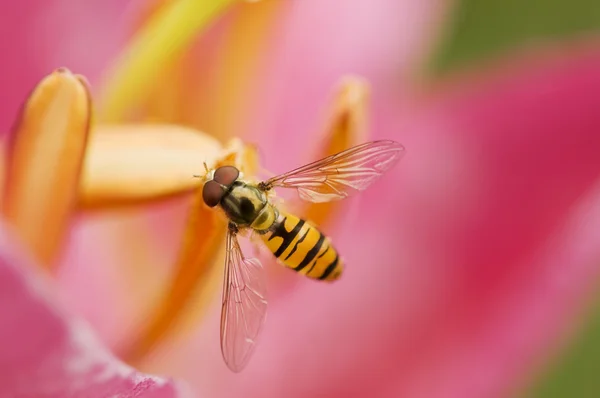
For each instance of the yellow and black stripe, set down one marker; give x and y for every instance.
(303, 248)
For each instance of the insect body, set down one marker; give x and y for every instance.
(303, 248)
(293, 241)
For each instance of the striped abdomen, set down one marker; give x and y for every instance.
(302, 247)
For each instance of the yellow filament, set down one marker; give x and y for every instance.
(166, 35)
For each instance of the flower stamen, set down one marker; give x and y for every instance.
(170, 30)
(196, 271)
(346, 126)
(44, 161)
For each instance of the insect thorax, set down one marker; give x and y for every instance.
(248, 206)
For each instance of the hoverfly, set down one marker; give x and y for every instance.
(293, 241)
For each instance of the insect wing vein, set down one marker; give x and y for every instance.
(338, 176)
(244, 305)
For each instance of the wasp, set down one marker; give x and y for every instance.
(296, 243)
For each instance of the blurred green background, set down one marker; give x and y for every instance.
(483, 30)
(575, 372)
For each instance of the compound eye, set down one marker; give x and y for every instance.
(212, 193)
(226, 175)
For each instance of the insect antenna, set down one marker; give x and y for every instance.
(205, 168)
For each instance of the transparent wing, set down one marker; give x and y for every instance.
(244, 305)
(339, 176)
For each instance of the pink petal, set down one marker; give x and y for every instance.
(47, 352)
(320, 41)
(43, 35)
(484, 250)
